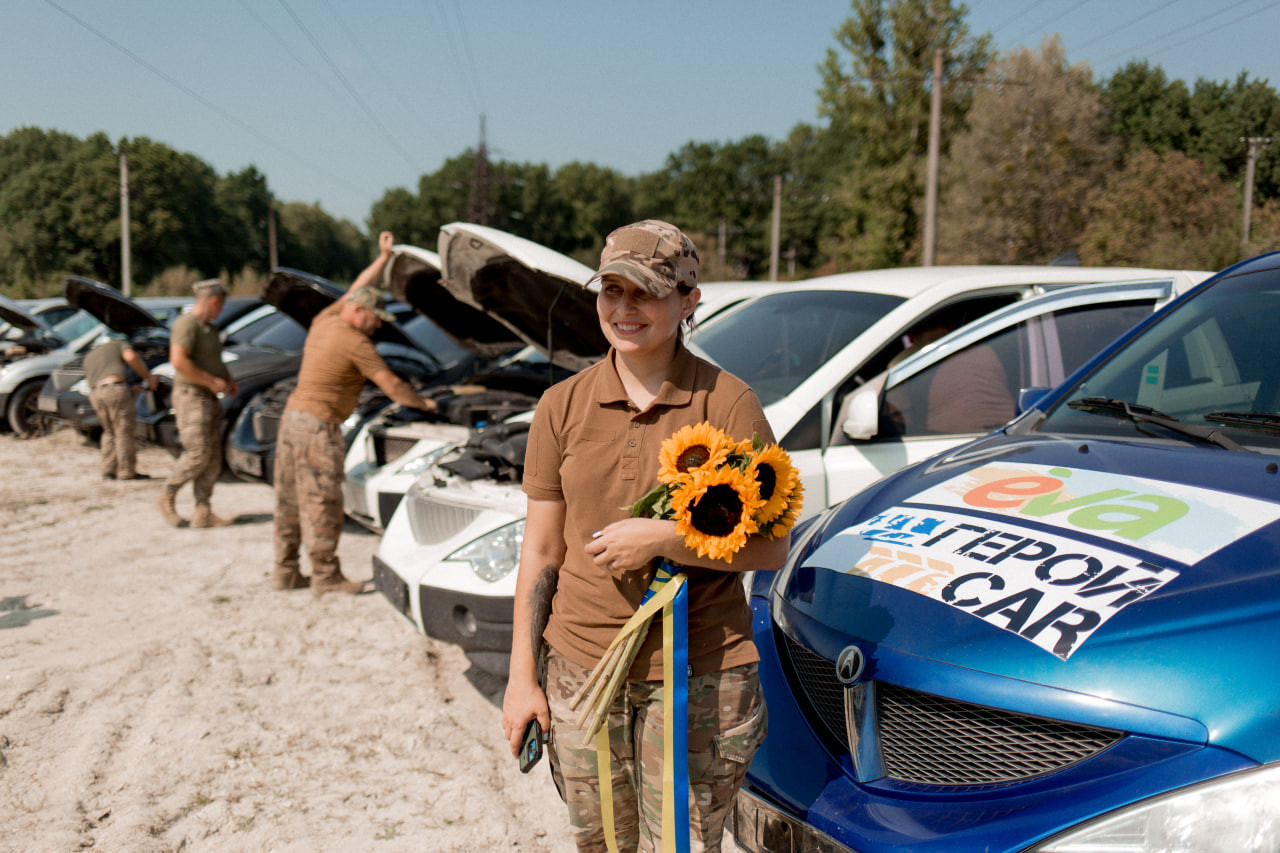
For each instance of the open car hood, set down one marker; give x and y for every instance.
(413, 277)
(303, 295)
(116, 311)
(537, 293)
(12, 313)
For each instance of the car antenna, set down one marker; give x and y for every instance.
(551, 359)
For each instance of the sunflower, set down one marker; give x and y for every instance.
(714, 511)
(692, 448)
(780, 490)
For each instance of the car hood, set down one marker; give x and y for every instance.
(538, 294)
(303, 295)
(113, 309)
(1135, 573)
(14, 315)
(413, 277)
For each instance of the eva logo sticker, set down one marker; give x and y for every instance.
(1050, 590)
(1183, 523)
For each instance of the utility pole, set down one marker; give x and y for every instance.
(478, 203)
(1254, 142)
(931, 173)
(273, 257)
(776, 235)
(126, 274)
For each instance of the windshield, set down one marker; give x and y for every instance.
(427, 336)
(777, 341)
(75, 325)
(274, 330)
(1212, 361)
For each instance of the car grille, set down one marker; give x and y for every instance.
(389, 448)
(433, 521)
(932, 740)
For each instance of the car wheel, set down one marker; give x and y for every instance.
(25, 417)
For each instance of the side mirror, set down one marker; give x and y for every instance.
(861, 410)
(1028, 397)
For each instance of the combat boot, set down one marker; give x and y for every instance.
(204, 517)
(289, 579)
(337, 583)
(167, 509)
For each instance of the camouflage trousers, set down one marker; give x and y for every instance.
(116, 412)
(199, 417)
(727, 722)
(308, 485)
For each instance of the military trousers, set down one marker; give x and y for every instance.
(199, 417)
(118, 416)
(727, 722)
(308, 488)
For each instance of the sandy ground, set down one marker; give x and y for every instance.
(156, 695)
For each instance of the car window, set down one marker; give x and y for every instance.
(428, 336)
(1215, 353)
(975, 390)
(75, 325)
(778, 340)
(274, 330)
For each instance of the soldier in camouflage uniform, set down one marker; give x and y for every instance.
(336, 361)
(195, 351)
(106, 373)
(585, 563)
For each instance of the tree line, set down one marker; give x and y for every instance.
(1039, 161)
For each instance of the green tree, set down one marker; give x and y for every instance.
(600, 200)
(1144, 109)
(876, 99)
(313, 241)
(1162, 211)
(1016, 180)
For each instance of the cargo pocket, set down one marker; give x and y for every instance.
(739, 743)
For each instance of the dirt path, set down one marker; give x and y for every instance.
(156, 695)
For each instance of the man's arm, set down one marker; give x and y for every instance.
(139, 366)
(180, 358)
(397, 389)
(370, 274)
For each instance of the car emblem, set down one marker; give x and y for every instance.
(849, 665)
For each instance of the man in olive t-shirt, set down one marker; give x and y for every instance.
(106, 371)
(337, 359)
(195, 351)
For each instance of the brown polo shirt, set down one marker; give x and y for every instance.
(336, 360)
(591, 448)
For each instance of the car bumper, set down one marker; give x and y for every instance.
(761, 827)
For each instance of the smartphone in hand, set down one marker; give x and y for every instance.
(531, 745)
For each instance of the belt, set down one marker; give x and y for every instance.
(110, 380)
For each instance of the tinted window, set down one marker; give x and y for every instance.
(274, 330)
(777, 341)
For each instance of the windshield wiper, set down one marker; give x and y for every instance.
(1264, 421)
(1145, 414)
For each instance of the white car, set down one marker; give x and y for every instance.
(448, 556)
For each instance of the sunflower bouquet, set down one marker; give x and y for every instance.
(720, 491)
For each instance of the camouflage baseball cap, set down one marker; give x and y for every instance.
(653, 254)
(371, 298)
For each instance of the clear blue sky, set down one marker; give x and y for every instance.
(337, 101)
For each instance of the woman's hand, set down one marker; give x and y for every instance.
(520, 704)
(631, 543)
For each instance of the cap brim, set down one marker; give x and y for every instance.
(638, 275)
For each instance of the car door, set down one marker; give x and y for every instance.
(968, 383)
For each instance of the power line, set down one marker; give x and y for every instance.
(1024, 10)
(1041, 27)
(1127, 24)
(1175, 31)
(386, 134)
(247, 128)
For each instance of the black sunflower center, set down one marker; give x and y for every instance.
(768, 480)
(694, 456)
(718, 512)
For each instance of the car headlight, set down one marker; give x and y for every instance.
(1240, 812)
(494, 555)
(418, 464)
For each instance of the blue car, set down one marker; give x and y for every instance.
(1061, 637)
